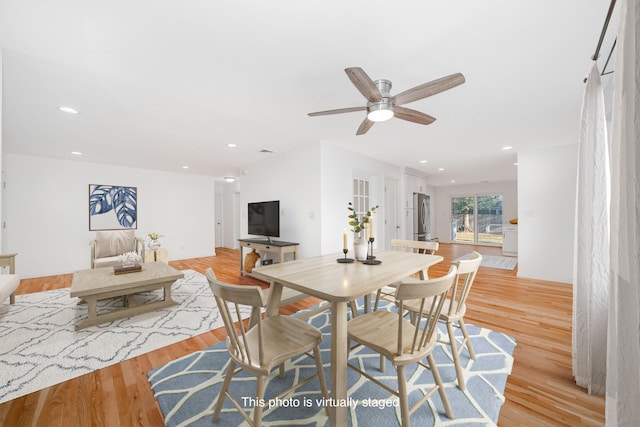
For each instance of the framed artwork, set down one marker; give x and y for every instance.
(112, 207)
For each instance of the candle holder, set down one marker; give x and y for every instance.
(345, 260)
(371, 260)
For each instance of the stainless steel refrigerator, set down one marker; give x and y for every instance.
(421, 217)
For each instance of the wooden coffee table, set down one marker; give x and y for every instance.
(101, 283)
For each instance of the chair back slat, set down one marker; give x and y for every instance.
(431, 294)
(417, 246)
(230, 299)
(467, 270)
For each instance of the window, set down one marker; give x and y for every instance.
(361, 196)
(477, 219)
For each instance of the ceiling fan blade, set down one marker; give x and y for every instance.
(428, 89)
(413, 116)
(364, 84)
(338, 111)
(365, 126)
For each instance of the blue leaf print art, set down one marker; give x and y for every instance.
(112, 207)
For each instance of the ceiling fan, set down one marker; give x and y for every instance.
(382, 106)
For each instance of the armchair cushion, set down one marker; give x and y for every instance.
(114, 242)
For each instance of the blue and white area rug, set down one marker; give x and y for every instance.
(39, 346)
(186, 389)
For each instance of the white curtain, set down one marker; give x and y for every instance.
(623, 357)
(591, 253)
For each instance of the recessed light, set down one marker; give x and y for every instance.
(232, 145)
(423, 161)
(515, 164)
(76, 153)
(67, 110)
(453, 181)
(440, 169)
(185, 167)
(508, 147)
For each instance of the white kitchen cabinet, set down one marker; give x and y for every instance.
(510, 240)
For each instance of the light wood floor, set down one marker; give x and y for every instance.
(540, 391)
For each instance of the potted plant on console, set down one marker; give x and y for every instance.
(358, 225)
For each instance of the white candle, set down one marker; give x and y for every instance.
(371, 227)
(344, 239)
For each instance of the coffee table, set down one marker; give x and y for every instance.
(101, 283)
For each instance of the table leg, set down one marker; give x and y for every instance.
(275, 294)
(167, 292)
(339, 355)
(92, 311)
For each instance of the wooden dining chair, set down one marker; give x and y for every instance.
(455, 309)
(259, 348)
(403, 343)
(415, 246)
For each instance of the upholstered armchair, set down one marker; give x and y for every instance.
(8, 282)
(108, 245)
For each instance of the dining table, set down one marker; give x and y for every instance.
(339, 283)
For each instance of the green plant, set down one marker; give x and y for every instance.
(358, 224)
(154, 236)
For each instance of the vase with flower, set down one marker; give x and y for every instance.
(359, 224)
(154, 240)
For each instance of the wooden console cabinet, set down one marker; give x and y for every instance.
(277, 247)
(280, 249)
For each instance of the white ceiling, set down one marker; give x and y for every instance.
(164, 84)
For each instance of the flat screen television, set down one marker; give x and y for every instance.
(264, 218)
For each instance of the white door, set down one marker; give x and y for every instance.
(218, 220)
(391, 218)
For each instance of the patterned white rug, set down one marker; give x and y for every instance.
(493, 261)
(39, 346)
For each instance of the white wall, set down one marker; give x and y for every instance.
(292, 177)
(547, 195)
(314, 184)
(2, 236)
(47, 211)
(339, 168)
(442, 207)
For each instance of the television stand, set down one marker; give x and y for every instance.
(267, 245)
(277, 247)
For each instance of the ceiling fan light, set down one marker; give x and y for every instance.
(379, 113)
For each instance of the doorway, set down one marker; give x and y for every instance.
(391, 215)
(218, 220)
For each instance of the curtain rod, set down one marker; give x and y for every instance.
(602, 34)
(604, 29)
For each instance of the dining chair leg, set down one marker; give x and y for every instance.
(441, 390)
(404, 400)
(257, 409)
(353, 305)
(323, 383)
(377, 302)
(383, 363)
(465, 334)
(223, 390)
(456, 355)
